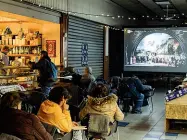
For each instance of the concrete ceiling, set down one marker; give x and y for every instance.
(154, 7)
(156, 12)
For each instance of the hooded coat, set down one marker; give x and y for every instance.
(51, 113)
(104, 106)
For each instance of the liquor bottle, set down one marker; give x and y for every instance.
(13, 50)
(23, 50)
(20, 50)
(16, 50)
(39, 50)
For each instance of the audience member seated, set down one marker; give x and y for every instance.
(75, 92)
(14, 121)
(184, 84)
(144, 89)
(54, 111)
(88, 74)
(100, 102)
(114, 84)
(136, 96)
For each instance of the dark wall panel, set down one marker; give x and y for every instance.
(116, 52)
(82, 31)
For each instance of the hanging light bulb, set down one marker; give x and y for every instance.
(134, 18)
(102, 14)
(113, 17)
(51, 7)
(129, 18)
(108, 15)
(96, 16)
(147, 16)
(39, 5)
(183, 14)
(122, 16)
(143, 16)
(119, 16)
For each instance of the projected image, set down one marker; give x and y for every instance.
(156, 50)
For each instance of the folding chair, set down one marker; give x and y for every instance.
(150, 100)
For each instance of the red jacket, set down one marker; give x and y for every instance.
(22, 125)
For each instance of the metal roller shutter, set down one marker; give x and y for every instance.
(84, 31)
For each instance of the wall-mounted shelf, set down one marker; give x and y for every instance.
(20, 45)
(23, 55)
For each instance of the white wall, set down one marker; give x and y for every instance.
(95, 7)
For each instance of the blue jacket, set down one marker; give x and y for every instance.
(42, 66)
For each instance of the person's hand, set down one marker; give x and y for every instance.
(65, 106)
(75, 124)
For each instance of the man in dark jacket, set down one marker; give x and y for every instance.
(14, 121)
(43, 66)
(134, 93)
(145, 89)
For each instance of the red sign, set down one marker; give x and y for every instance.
(51, 47)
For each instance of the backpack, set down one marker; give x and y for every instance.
(52, 70)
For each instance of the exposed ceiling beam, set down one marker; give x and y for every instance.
(152, 6)
(181, 5)
(134, 6)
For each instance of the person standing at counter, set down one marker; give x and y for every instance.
(3, 55)
(47, 70)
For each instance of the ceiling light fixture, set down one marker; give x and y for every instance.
(129, 18)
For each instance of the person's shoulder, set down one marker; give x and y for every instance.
(32, 117)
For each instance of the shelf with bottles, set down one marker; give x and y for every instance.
(24, 37)
(23, 55)
(11, 46)
(25, 51)
(14, 40)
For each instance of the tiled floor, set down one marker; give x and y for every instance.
(147, 126)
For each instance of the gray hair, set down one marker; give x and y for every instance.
(89, 70)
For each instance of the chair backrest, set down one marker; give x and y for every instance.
(56, 135)
(98, 126)
(50, 129)
(4, 136)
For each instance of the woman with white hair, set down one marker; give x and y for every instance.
(88, 74)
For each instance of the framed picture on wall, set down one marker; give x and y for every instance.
(51, 47)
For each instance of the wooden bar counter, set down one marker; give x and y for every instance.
(176, 110)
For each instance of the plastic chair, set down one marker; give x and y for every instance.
(93, 135)
(56, 135)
